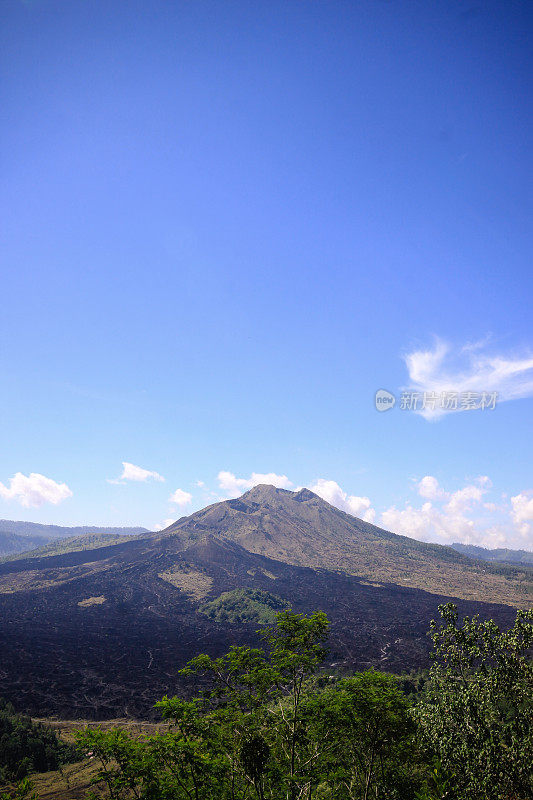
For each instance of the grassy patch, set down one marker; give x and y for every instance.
(196, 584)
(92, 601)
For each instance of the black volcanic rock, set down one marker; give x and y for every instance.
(103, 633)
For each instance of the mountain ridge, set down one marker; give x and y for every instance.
(502, 555)
(22, 528)
(301, 528)
(17, 536)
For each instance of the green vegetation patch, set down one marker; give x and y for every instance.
(245, 605)
(268, 723)
(27, 746)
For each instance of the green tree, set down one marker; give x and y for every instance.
(181, 762)
(476, 717)
(296, 650)
(256, 699)
(27, 746)
(23, 791)
(367, 737)
(246, 733)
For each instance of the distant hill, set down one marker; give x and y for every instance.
(20, 537)
(11, 543)
(302, 529)
(58, 531)
(501, 554)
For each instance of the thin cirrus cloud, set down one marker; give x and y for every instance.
(467, 369)
(34, 490)
(131, 472)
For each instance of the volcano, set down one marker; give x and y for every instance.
(102, 633)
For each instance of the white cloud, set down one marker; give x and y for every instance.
(431, 524)
(131, 472)
(460, 516)
(414, 522)
(468, 369)
(332, 493)
(180, 498)
(234, 486)
(429, 488)
(522, 513)
(34, 490)
(463, 499)
(162, 525)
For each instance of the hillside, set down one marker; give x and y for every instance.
(90, 541)
(503, 555)
(12, 543)
(302, 529)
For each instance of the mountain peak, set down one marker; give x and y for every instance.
(266, 492)
(305, 494)
(262, 492)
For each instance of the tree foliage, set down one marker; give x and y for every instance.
(269, 724)
(27, 746)
(476, 717)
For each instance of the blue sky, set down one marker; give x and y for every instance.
(226, 225)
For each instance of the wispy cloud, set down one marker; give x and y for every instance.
(470, 368)
(131, 472)
(34, 490)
